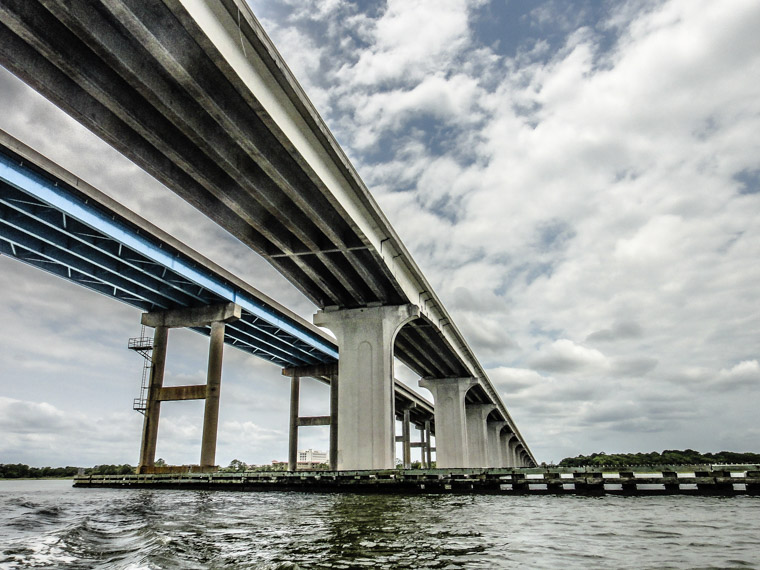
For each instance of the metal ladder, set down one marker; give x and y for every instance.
(142, 345)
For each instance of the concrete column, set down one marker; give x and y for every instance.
(450, 419)
(506, 451)
(295, 389)
(334, 422)
(213, 388)
(366, 415)
(494, 443)
(428, 450)
(153, 406)
(519, 455)
(513, 460)
(421, 446)
(406, 439)
(477, 434)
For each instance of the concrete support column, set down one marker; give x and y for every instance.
(428, 449)
(494, 443)
(477, 434)
(295, 390)
(513, 460)
(153, 406)
(506, 450)
(519, 456)
(406, 439)
(333, 422)
(366, 415)
(213, 388)
(425, 444)
(450, 419)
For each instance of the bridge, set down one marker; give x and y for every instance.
(53, 221)
(197, 95)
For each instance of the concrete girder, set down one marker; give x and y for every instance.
(216, 172)
(151, 131)
(421, 334)
(219, 125)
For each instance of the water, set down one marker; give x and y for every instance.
(49, 524)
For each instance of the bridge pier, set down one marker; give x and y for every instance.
(450, 419)
(428, 448)
(327, 373)
(520, 456)
(506, 449)
(512, 451)
(406, 436)
(295, 398)
(477, 434)
(215, 316)
(495, 458)
(153, 405)
(366, 415)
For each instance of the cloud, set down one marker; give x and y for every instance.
(626, 330)
(746, 374)
(36, 432)
(511, 380)
(633, 366)
(408, 45)
(564, 356)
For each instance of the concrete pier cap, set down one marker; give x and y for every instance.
(366, 414)
(193, 316)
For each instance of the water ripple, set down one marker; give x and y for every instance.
(47, 524)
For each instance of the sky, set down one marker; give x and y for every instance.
(579, 181)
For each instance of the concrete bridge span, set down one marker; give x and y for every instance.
(194, 92)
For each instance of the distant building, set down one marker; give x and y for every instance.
(310, 458)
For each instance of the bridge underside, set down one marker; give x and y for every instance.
(145, 78)
(49, 238)
(121, 256)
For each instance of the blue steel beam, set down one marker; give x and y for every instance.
(46, 223)
(89, 267)
(91, 258)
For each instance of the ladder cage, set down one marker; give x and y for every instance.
(142, 345)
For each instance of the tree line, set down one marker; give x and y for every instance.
(667, 457)
(21, 471)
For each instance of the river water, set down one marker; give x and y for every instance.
(49, 524)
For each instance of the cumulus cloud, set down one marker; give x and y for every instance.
(746, 374)
(564, 356)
